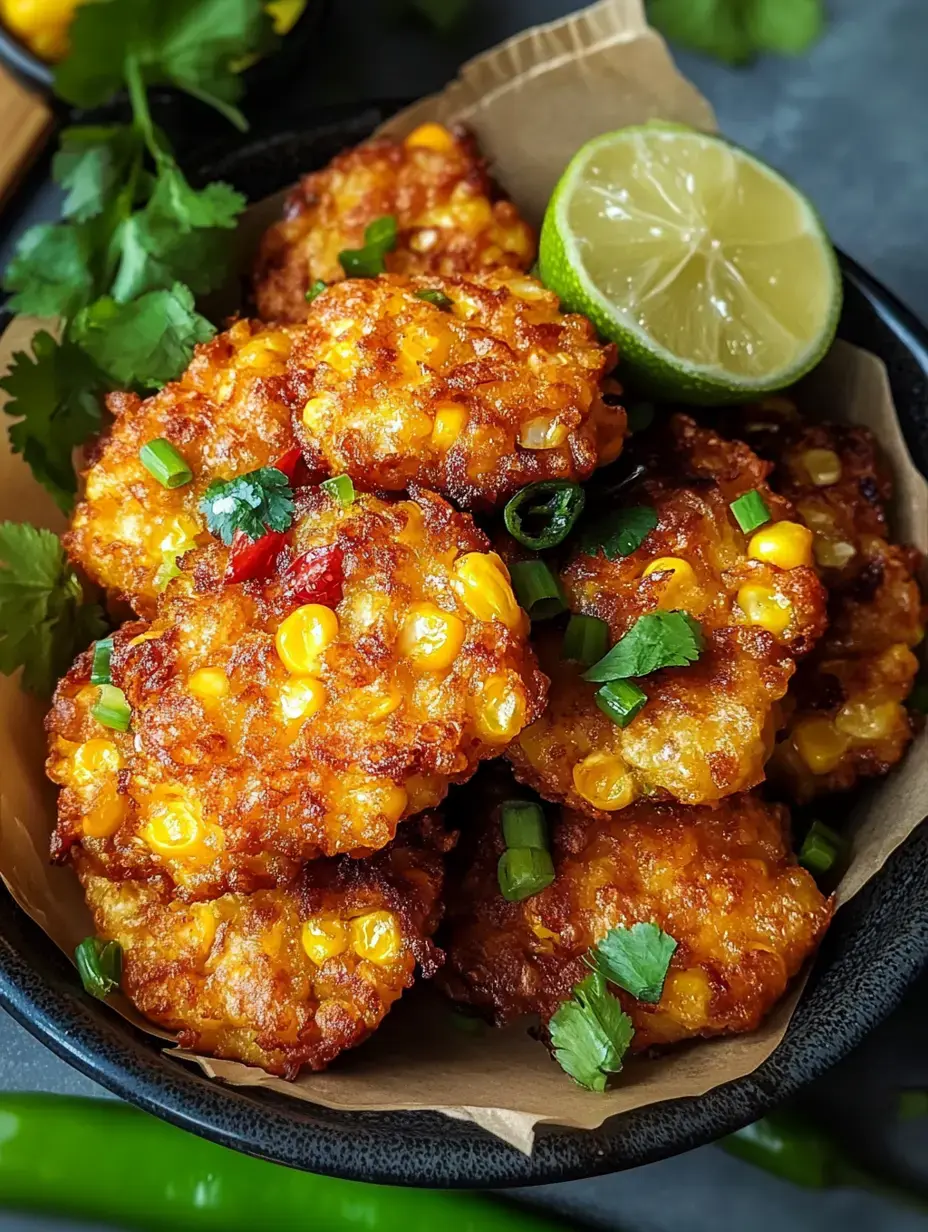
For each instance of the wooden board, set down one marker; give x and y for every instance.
(25, 126)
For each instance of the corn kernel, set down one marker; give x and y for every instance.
(107, 813)
(266, 352)
(209, 682)
(603, 779)
(317, 411)
(765, 607)
(833, 553)
(431, 137)
(687, 996)
(93, 758)
(376, 937)
(784, 544)
(543, 433)
(175, 827)
(430, 637)
(823, 466)
(820, 745)
(342, 356)
(869, 721)
(304, 635)
(176, 536)
(301, 697)
(425, 346)
(482, 584)
(199, 931)
(449, 424)
(500, 710)
(373, 703)
(148, 636)
(324, 936)
(674, 587)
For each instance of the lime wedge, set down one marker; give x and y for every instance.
(712, 273)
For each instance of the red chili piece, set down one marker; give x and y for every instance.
(253, 558)
(291, 463)
(317, 576)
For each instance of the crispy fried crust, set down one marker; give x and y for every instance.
(449, 215)
(720, 881)
(474, 401)
(847, 719)
(232, 976)
(227, 414)
(253, 791)
(708, 728)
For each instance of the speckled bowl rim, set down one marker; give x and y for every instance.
(875, 949)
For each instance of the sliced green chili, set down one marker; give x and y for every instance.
(543, 514)
(99, 964)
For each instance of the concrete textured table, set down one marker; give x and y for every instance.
(848, 123)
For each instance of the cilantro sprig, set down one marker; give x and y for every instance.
(619, 532)
(655, 640)
(253, 503)
(635, 959)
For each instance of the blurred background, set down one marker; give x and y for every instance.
(844, 117)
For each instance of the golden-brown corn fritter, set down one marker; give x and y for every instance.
(475, 396)
(847, 718)
(708, 728)
(300, 715)
(721, 881)
(227, 414)
(450, 218)
(286, 977)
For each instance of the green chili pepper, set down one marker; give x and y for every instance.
(543, 514)
(159, 1178)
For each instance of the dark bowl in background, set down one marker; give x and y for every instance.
(874, 950)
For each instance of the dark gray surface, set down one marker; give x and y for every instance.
(847, 123)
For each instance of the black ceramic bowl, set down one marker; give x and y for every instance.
(874, 949)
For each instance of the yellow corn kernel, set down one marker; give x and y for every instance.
(823, 466)
(209, 682)
(107, 813)
(423, 791)
(765, 607)
(304, 635)
(500, 710)
(833, 553)
(266, 352)
(820, 745)
(148, 636)
(324, 936)
(543, 433)
(869, 720)
(175, 827)
(318, 411)
(342, 356)
(93, 758)
(449, 424)
(376, 937)
(176, 536)
(481, 581)
(423, 346)
(431, 137)
(430, 637)
(301, 697)
(373, 703)
(471, 213)
(603, 779)
(682, 578)
(784, 544)
(687, 995)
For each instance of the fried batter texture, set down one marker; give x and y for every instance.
(450, 218)
(847, 717)
(227, 414)
(286, 977)
(708, 728)
(268, 729)
(474, 398)
(720, 881)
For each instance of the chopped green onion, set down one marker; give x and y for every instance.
(640, 416)
(161, 459)
(586, 640)
(111, 708)
(620, 700)
(438, 298)
(750, 511)
(523, 824)
(99, 964)
(368, 262)
(341, 489)
(820, 849)
(100, 672)
(316, 289)
(537, 589)
(543, 514)
(524, 871)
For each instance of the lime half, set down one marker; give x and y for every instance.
(712, 273)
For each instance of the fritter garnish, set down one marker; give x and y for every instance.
(286, 977)
(706, 729)
(227, 414)
(450, 218)
(474, 397)
(720, 881)
(300, 715)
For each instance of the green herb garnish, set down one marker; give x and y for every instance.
(161, 460)
(543, 514)
(820, 849)
(524, 871)
(636, 959)
(315, 290)
(102, 653)
(368, 262)
(523, 823)
(620, 700)
(99, 964)
(750, 511)
(656, 640)
(619, 532)
(591, 1033)
(438, 298)
(341, 489)
(586, 639)
(112, 708)
(253, 503)
(537, 589)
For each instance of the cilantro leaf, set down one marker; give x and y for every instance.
(658, 639)
(50, 273)
(368, 262)
(619, 532)
(636, 959)
(253, 503)
(44, 621)
(145, 343)
(590, 1033)
(54, 394)
(90, 165)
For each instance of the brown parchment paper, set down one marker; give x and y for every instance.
(532, 101)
